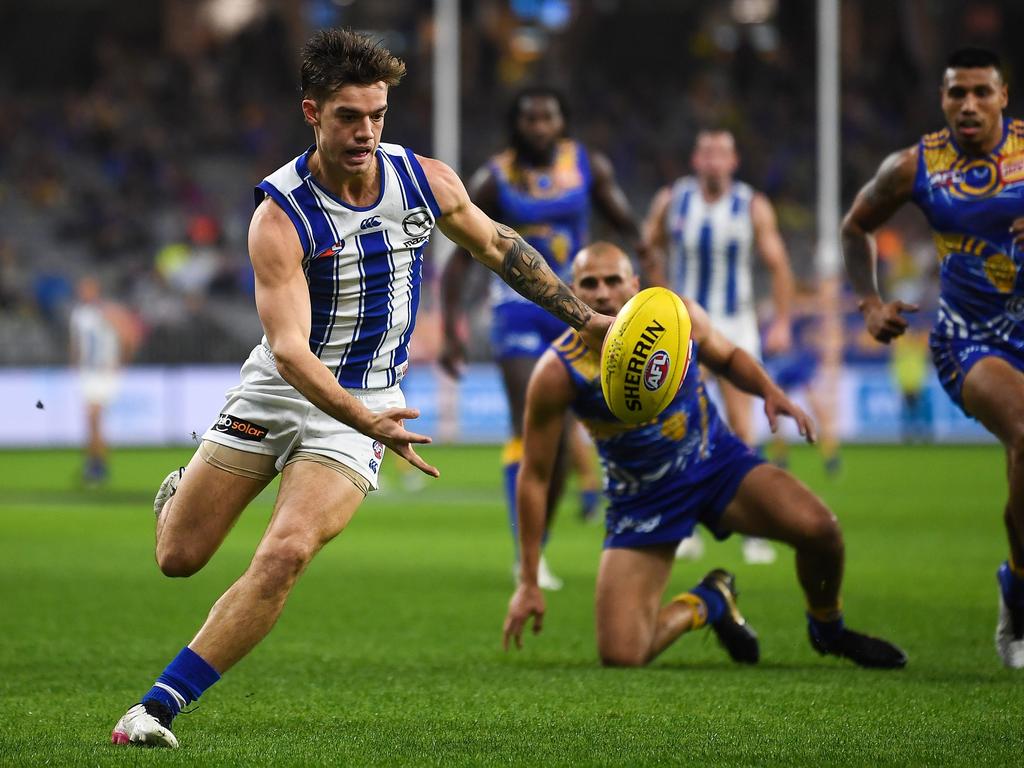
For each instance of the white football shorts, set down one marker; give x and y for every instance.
(98, 386)
(265, 414)
(741, 330)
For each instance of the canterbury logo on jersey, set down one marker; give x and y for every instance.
(370, 223)
(333, 250)
(240, 428)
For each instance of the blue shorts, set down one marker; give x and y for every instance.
(697, 494)
(521, 329)
(794, 369)
(954, 358)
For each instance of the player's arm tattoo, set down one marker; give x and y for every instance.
(877, 201)
(523, 268)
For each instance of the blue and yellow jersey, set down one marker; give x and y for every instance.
(549, 207)
(645, 464)
(970, 203)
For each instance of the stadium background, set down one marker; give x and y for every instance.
(130, 136)
(130, 141)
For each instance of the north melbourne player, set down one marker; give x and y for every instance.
(968, 180)
(661, 479)
(701, 232)
(337, 243)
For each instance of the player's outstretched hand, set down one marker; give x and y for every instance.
(595, 330)
(884, 320)
(776, 403)
(526, 602)
(1017, 229)
(453, 355)
(389, 427)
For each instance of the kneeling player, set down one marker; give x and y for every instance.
(662, 478)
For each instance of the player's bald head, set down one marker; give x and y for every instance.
(604, 255)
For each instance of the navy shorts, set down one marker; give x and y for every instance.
(793, 369)
(954, 358)
(697, 494)
(521, 329)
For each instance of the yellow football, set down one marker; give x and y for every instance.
(645, 355)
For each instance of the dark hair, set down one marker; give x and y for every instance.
(535, 92)
(336, 57)
(975, 58)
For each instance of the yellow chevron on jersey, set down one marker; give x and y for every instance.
(583, 360)
(564, 175)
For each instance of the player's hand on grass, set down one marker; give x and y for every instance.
(777, 404)
(595, 330)
(453, 355)
(527, 601)
(389, 428)
(884, 320)
(779, 337)
(1017, 229)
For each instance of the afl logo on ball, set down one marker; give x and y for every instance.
(656, 370)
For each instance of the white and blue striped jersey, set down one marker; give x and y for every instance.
(363, 265)
(95, 341)
(709, 253)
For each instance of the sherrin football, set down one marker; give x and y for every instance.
(645, 355)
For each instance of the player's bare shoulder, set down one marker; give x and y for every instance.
(447, 187)
(895, 177)
(272, 236)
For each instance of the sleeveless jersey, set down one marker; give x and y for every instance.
(549, 207)
(709, 255)
(97, 346)
(363, 265)
(655, 457)
(970, 203)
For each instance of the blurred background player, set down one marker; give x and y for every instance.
(700, 232)
(544, 185)
(814, 346)
(100, 340)
(968, 180)
(663, 478)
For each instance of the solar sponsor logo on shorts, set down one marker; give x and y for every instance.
(240, 428)
(656, 370)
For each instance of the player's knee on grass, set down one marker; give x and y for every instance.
(624, 655)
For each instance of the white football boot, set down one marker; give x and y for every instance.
(140, 727)
(168, 488)
(1009, 647)
(545, 578)
(690, 548)
(758, 551)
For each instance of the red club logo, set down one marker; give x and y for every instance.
(656, 370)
(378, 449)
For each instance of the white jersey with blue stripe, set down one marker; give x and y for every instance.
(709, 256)
(96, 342)
(363, 264)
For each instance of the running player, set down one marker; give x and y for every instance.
(700, 232)
(968, 180)
(336, 243)
(662, 479)
(544, 185)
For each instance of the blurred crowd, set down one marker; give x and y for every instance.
(129, 147)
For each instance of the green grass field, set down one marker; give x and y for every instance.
(389, 650)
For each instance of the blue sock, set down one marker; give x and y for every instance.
(183, 681)
(1011, 585)
(826, 631)
(712, 599)
(511, 472)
